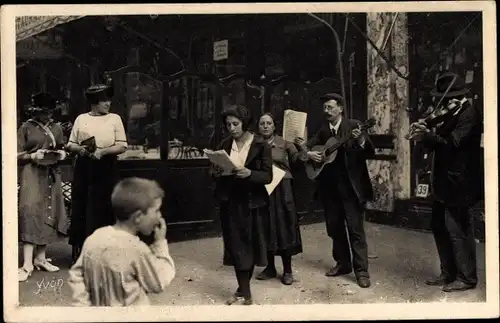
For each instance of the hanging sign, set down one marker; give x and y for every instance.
(27, 26)
(221, 50)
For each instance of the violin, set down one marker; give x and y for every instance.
(438, 115)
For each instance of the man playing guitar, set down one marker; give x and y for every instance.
(344, 186)
(456, 181)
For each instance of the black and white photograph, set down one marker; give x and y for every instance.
(250, 161)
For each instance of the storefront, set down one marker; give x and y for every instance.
(171, 86)
(406, 198)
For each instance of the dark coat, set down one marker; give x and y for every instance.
(243, 208)
(457, 173)
(355, 157)
(259, 161)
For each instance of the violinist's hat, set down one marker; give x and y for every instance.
(457, 88)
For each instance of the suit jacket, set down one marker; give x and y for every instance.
(249, 190)
(354, 158)
(457, 174)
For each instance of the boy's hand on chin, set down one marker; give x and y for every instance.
(160, 231)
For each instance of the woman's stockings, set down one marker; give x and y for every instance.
(28, 250)
(244, 277)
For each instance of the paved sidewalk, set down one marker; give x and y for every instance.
(400, 260)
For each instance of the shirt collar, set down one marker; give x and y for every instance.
(335, 126)
(245, 145)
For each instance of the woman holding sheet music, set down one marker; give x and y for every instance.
(243, 199)
(98, 137)
(283, 226)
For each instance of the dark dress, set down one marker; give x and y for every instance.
(283, 226)
(93, 180)
(244, 208)
(42, 214)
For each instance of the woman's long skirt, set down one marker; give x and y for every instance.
(283, 225)
(93, 183)
(42, 215)
(243, 233)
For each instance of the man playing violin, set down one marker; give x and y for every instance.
(344, 186)
(456, 182)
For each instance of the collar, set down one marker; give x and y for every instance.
(335, 126)
(245, 145)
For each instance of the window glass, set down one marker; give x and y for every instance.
(142, 116)
(191, 114)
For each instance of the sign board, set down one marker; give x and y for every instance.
(422, 190)
(221, 50)
(27, 26)
(40, 48)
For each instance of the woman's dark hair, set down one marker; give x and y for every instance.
(240, 112)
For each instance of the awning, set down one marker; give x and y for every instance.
(28, 26)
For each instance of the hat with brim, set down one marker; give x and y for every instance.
(99, 92)
(457, 88)
(42, 102)
(332, 96)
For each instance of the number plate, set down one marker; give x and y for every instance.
(422, 190)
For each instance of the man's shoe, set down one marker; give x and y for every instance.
(439, 281)
(457, 286)
(338, 271)
(364, 282)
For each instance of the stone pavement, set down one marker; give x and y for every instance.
(400, 260)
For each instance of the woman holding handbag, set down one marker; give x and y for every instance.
(42, 215)
(97, 137)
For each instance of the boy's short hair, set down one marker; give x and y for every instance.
(134, 194)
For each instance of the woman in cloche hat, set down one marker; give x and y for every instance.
(42, 215)
(98, 137)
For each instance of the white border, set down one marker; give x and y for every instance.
(220, 313)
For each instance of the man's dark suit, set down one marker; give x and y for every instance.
(457, 185)
(344, 187)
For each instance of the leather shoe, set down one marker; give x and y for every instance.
(364, 282)
(267, 274)
(287, 279)
(338, 271)
(457, 286)
(439, 281)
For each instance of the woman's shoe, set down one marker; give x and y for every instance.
(248, 301)
(267, 274)
(287, 279)
(234, 298)
(46, 265)
(24, 274)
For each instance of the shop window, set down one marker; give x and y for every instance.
(142, 116)
(191, 118)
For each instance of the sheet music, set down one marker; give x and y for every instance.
(221, 159)
(278, 175)
(294, 125)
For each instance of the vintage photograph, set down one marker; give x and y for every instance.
(240, 156)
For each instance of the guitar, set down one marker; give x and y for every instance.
(330, 151)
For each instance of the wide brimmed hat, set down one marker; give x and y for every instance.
(332, 96)
(457, 88)
(99, 92)
(42, 102)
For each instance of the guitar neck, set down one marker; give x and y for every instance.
(342, 141)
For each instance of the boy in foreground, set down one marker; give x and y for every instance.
(115, 267)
